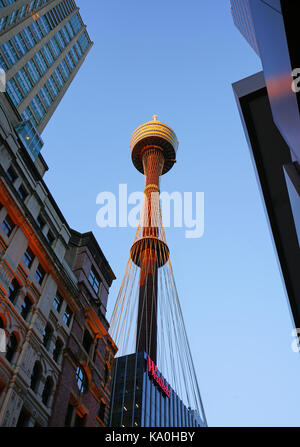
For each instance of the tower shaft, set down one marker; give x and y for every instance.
(146, 341)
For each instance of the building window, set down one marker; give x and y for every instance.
(105, 374)
(11, 348)
(26, 307)
(40, 221)
(57, 302)
(13, 290)
(94, 280)
(102, 409)
(47, 335)
(87, 341)
(14, 92)
(73, 419)
(95, 350)
(28, 257)
(79, 420)
(69, 415)
(40, 274)
(8, 225)
(22, 192)
(47, 391)
(67, 316)
(29, 135)
(50, 238)
(57, 350)
(11, 174)
(24, 418)
(36, 376)
(82, 380)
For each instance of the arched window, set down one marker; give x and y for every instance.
(26, 307)
(82, 380)
(57, 350)
(47, 390)
(13, 290)
(36, 376)
(11, 347)
(47, 335)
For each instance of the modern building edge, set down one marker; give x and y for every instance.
(278, 181)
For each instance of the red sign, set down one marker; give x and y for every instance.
(152, 370)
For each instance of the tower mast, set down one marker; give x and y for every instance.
(153, 148)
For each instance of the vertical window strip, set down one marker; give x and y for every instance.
(58, 78)
(19, 43)
(23, 81)
(40, 62)
(33, 71)
(45, 96)
(28, 115)
(14, 92)
(53, 89)
(28, 36)
(53, 45)
(9, 53)
(38, 108)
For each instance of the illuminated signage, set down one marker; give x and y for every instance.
(152, 370)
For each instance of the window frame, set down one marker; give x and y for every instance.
(8, 225)
(57, 298)
(28, 258)
(67, 320)
(94, 280)
(39, 274)
(81, 380)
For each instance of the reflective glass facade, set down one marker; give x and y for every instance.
(43, 55)
(242, 18)
(138, 401)
(30, 138)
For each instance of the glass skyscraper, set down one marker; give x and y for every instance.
(242, 18)
(142, 398)
(42, 46)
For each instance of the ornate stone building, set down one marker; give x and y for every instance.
(54, 285)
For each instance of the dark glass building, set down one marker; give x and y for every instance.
(141, 397)
(42, 46)
(269, 105)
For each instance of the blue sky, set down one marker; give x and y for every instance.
(178, 60)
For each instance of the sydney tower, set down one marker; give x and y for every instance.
(155, 383)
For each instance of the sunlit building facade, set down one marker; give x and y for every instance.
(56, 365)
(56, 357)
